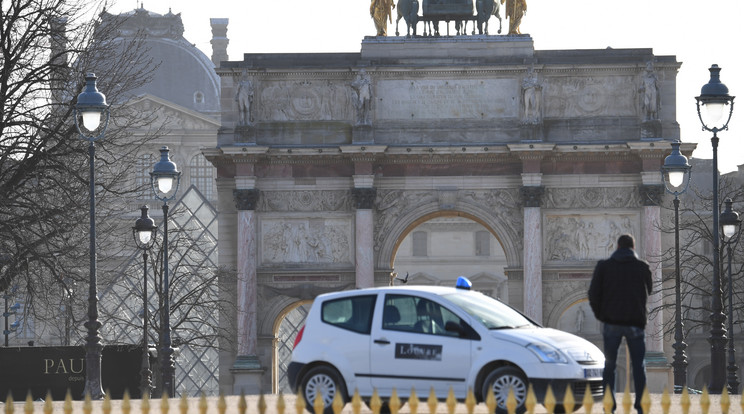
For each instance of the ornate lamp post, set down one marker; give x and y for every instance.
(90, 105)
(714, 98)
(163, 177)
(144, 237)
(730, 225)
(676, 172)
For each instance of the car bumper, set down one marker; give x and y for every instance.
(293, 375)
(578, 388)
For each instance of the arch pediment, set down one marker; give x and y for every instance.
(171, 116)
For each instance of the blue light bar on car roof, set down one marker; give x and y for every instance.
(463, 283)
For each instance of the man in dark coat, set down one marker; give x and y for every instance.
(617, 294)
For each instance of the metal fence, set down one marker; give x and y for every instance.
(657, 403)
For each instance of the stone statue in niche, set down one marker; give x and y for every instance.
(362, 86)
(244, 98)
(531, 97)
(650, 94)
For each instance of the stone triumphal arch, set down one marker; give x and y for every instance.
(326, 161)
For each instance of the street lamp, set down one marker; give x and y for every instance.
(730, 225)
(90, 105)
(144, 237)
(676, 172)
(164, 180)
(714, 98)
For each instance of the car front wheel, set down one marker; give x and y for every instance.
(325, 382)
(501, 380)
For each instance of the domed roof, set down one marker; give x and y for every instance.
(185, 75)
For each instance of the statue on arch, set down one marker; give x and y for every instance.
(650, 94)
(515, 9)
(532, 97)
(362, 86)
(244, 98)
(381, 12)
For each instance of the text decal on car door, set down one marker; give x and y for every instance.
(418, 351)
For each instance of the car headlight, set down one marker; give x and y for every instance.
(547, 353)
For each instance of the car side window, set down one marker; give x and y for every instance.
(353, 313)
(418, 315)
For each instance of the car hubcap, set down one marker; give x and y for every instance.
(503, 384)
(322, 385)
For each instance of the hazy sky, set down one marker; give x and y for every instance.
(697, 33)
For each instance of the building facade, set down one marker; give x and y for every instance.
(328, 163)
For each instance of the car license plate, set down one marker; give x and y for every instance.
(593, 372)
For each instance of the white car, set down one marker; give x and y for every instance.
(408, 337)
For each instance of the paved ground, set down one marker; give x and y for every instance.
(252, 406)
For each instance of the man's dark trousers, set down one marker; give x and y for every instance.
(635, 337)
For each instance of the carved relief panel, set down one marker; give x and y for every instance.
(573, 97)
(306, 240)
(316, 100)
(586, 236)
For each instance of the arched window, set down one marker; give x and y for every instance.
(202, 175)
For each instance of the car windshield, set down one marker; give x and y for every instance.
(490, 312)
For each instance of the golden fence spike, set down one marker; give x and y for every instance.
(261, 404)
(221, 404)
(338, 404)
(203, 406)
(627, 403)
(183, 406)
(48, 408)
(470, 401)
(725, 401)
(530, 401)
(106, 405)
(281, 405)
(164, 403)
(9, 403)
(28, 408)
(705, 400)
(394, 402)
(569, 401)
(318, 404)
(67, 406)
(666, 401)
(588, 401)
(741, 401)
(242, 405)
(511, 402)
(413, 401)
(145, 404)
(375, 402)
(491, 400)
(451, 401)
(646, 401)
(432, 401)
(607, 401)
(126, 406)
(684, 401)
(300, 402)
(356, 402)
(549, 402)
(87, 404)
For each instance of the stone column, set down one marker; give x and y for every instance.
(657, 365)
(364, 199)
(532, 258)
(247, 369)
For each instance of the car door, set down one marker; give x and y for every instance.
(411, 349)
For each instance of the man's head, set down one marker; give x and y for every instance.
(625, 241)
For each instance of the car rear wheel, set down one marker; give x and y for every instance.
(325, 382)
(501, 380)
